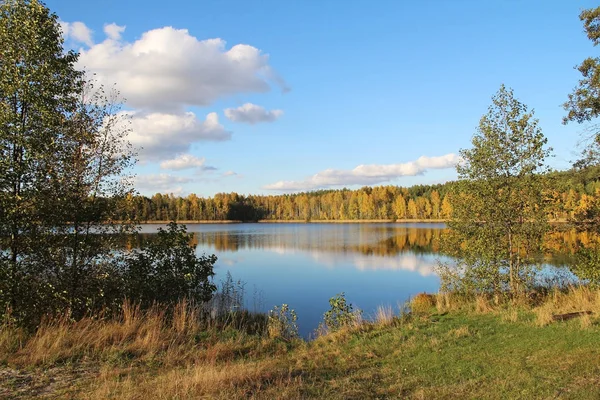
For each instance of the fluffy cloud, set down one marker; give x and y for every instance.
(77, 31)
(230, 173)
(160, 183)
(160, 136)
(185, 161)
(113, 31)
(168, 69)
(252, 114)
(367, 174)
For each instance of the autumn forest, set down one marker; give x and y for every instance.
(569, 195)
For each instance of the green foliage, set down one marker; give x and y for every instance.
(587, 265)
(62, 154)
(339, 315)
(167, 270)
(583, 104)
(63, 186)
(282, 323)
(499, 216)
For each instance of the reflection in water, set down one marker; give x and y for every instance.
(409, 261)
(367, 247)
(304, 265)
(366, 239)
(374, 241)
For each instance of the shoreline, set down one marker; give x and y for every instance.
(300, 221)
(319, 221)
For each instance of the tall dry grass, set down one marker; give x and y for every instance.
(224, 381)
(171, 336)
(384, 316)
(12, 339)
(548, 305)
(483, 305)
(422, 303)
(574, 300)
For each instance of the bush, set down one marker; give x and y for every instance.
(167, 270)
(587, 265)
(282, 323)
(339, 315)
(422, 303)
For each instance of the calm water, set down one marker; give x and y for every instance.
(304, 265)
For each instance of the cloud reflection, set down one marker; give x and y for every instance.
(424, 265)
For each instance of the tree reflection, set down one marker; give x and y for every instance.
(367, 240)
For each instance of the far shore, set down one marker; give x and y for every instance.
(316, 221)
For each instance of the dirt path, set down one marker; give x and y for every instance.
(57, 382)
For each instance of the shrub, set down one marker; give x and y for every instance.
(339, 315)
(282, 323)
(422, 302)
(587, 265)
(167, 270)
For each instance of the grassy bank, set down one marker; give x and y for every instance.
(542, 346)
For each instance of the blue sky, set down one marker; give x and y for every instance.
(295, 95)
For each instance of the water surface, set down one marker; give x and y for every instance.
(304, 265)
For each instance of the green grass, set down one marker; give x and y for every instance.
(456, 355)
(430, 355)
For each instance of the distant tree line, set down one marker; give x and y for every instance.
(568, 194)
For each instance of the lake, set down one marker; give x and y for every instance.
(304, 265)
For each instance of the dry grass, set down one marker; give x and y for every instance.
(384, 316)
(11, 339)
(511, 314)
(544, 315)
(422, 303)
(463, 331)
(196, 358)
(160, 355)
(445, 302)
(142, 335)
(577, 299)
(225, 381)
(482, 305)
(586, 321)
(442, 301)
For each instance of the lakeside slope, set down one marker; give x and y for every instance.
(480, 351)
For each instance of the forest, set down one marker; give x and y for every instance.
(568, 194)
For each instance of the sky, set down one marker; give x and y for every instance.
(271, 96)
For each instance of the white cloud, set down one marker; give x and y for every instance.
(230, 173)
(114, 31)
(367, 174)
(160, 183)
(184, 161)
(422, 264)
(77, 31)
(160, 136)
(252, 114)
(168, 69)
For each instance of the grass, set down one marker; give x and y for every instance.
(451, 347)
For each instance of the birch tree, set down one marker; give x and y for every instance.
(499, 216)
